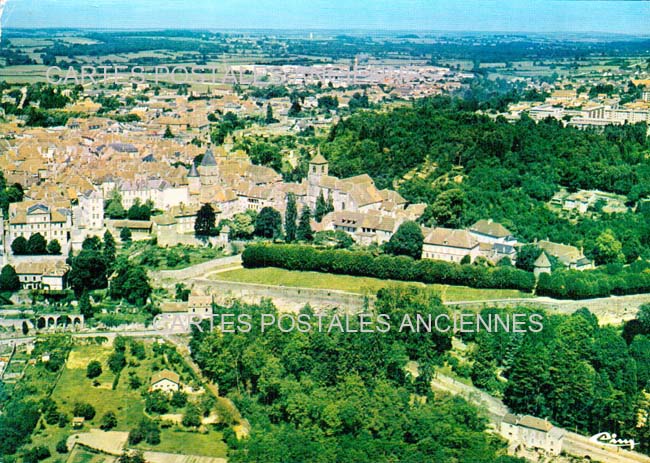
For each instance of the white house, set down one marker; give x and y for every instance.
(166, 381)
(533, 433)
(449, 245)
(488, 231)
(89, 213)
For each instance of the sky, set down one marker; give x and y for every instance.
(612, 16)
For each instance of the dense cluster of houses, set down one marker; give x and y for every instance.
(69, 211)
(583, 110)
(70, 173)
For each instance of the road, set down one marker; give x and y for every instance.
(574, 444)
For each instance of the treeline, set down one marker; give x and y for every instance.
(612, 280)
(468, 167)
(579, 374)
(361, 263)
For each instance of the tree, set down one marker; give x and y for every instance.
(407, 241)
(295, 109)
(304, 231)
(526, 257)
(114, 208)
(156, 402)
(92, 243)
(147, 430)
(25, 331)
(608, 250)
(19, 246)
(328, 103)
(182, 292)
(84, 410)
(125, 235)
(178, 399)
(337, 239)
(108, 250)
(88, 272)
(9, 280)
(268, 223)
(62, 446)
(266, 154)
(132, 284)
(242, 225)
(94, 369)
(116, 361)
(168, 133)
(290, 217)
(448, 208)
(85, 307)
(108, 421)
(192, 417)
(504, 262)
(643, 316)
(139, 211)
(131, 457)
(269, 114)
(205, 221)
(321, 207)
(54, 248)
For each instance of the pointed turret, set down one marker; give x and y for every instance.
(193, 171)
(208, 159)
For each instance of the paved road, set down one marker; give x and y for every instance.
(574, 444)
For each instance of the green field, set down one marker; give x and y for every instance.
(359, 285)
(126, 403)
(178, 441)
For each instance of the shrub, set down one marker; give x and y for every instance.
(83, 409)
(94, 369)
(359, 263)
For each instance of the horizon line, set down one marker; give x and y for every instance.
(323, 29)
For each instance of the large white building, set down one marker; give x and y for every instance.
(53, 222)
(161, 193)
(89, 212)
(449, 245)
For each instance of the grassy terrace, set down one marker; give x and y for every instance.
(353, 284)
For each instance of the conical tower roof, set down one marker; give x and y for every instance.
(193, 171)
(542, 261)
(208, 159)
(318, 159)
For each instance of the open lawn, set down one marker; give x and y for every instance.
(360, 285)
(174, 440)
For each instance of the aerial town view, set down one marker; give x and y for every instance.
(324, 232)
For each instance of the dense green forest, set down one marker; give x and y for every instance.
(343, 397)
(466, 167)
(581, 375)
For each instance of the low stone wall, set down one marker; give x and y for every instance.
(608, 310)
(198, 270)
(284, 297)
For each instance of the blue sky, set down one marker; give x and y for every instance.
(617, 16)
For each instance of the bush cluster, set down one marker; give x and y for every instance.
(361, 263)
